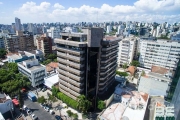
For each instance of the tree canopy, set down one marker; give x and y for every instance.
(83, 103)
(101, 105)
(41, 100)
(135, 63)
(122, 73)
(2, 53)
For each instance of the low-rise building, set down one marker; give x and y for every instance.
(51, 80)
(6, 104)
(51, 68)
(132, 107)
(24, 55)
(156, 82)
(33, 70)
(2, 42)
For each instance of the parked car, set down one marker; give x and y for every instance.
(29, 112)
(34, 117)
(24, 107)
(57, 117)
(46, 108)
(51, 112)
(44, 89)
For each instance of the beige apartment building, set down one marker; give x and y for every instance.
(44, 44)
(19, 42)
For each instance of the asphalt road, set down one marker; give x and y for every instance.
(38, 110)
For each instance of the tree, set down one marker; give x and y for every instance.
(69, 113)
(101, 105)
(2, 53)
(54, 90)
(135, 63)
(13, 67)
(143, 73)
(124, 66)
(21, 101)
(41, 100)
(83, 104)
(51, 56)
(51, 98)
(122, 73)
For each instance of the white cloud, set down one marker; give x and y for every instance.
(58, 6)
(142, 10)
(1, 3)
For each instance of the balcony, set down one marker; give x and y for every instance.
(76, 65)
(72, 70)
(106, 49)
(74, 77)
(70, 43)
(104, 82)
(78, 90)
(76, 52)
(107, 84)
(107, 60)
(105, 77)
(77, 84)
(106, 55)
(104, 67)
(107, 71)
(68, 94)
(70, 57)
(74, 93)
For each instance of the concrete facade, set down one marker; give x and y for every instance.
(87, 62)
(161, 53)
(19, 42)
(33, 70)
(127, 50)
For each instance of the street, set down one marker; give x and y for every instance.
(38, 110)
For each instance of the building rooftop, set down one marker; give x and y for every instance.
(114, 112)
(159, 76)
(4, 98)
(131, 69)
(158, 69)
(51, 66)
(152, 86)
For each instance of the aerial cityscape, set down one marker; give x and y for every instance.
(90, 60)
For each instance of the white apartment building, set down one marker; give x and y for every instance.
(163, 111)
(161, 53)
(53, 32)
(33, 70)
(127, 50)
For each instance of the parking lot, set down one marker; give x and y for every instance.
(38, 111)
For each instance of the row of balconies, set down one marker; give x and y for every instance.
(73, 64)
(104, 67)
(77, 89)
(107, 71)
(109, 48)
(72, 70)
(78, 84)
(104, 78)
(106, 55)
(107, 60)
(103, 83)
(102, 88)
(68, 93)
(71, 57)
(76, 52)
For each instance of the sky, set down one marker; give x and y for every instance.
(73, 11)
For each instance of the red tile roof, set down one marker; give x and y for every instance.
(158, 69)
(131, 69)
(51, 66)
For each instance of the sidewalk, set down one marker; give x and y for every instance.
(63, 110)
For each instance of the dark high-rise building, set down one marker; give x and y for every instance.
(17, 24)
(87, 62)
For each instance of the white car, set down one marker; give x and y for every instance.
(34, 117)
(24, 107)
(46, 109)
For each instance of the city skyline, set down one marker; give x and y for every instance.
(90, 11)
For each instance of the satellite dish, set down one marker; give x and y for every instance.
(125, 118)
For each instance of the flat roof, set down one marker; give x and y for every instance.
(152, 86)
(35, 67)
(159, 76)
(51, 80)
